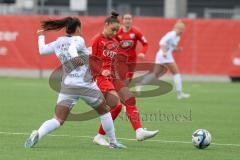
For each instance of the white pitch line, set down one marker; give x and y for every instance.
(127, 139)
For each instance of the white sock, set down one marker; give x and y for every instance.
(108, 127)
(139, 130)
(178, 83)
(147, 79)
(47, 127)
(100, 135)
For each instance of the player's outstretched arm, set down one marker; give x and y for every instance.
(44, 49)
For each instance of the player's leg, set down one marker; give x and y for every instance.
(159, 70)
(108, 127)
(130, 73)
(99, 138)
(177, 80)
(122, 68)
(48, 126)
(62, 110)
(61, 114)
(128, 99)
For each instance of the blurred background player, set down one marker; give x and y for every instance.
(128, 36)
(77, 80)
(105, 48)
(164, 59)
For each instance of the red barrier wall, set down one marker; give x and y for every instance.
(209, 46)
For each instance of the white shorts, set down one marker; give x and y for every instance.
(90, 93)
(160, 59)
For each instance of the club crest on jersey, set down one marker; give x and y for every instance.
(126, 44)
(132, 35)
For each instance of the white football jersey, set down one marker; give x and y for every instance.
(170, 40)
(66, 48)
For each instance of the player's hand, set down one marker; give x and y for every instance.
(106, 73)
(78, 61)
(141, 55)
(40, 32)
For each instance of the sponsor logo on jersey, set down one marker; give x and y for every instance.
(109, 53)
(109, 48)
(126, 44)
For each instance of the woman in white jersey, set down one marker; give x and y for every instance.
(76, 82)
(164, 59)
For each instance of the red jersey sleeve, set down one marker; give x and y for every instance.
(142, 39)
(95, 62)
(95, 46)
(100, 53)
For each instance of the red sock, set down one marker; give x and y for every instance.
(133, 116)
(114, 112)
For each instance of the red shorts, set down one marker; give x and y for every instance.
(106, 84)
(126, 71)
(131, 70)
(118, 84)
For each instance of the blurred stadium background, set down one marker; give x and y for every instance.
(211, 42)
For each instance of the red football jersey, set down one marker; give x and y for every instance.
(105, 50)
(128, 42)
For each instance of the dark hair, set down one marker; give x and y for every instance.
(113, 18)
(70, 23)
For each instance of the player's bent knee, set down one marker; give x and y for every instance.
(102, 108)
(131, 101)
(61, 121)
(112, 99)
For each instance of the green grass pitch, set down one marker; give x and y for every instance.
(26, 103)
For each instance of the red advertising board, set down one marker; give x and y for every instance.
(209, 46)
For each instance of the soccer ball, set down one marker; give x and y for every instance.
(201, 138)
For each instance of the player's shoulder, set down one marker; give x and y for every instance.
(97, 37)
(171, 34)
(135, 29)
(78, 39)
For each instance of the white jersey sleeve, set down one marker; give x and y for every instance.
(45, 49)
(169, 41)
(166, 38)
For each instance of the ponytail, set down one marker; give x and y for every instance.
(69, 23)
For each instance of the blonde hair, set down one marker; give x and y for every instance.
(179, 25)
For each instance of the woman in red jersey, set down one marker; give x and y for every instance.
(76, 82)
(106, 50)
(128, 36)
